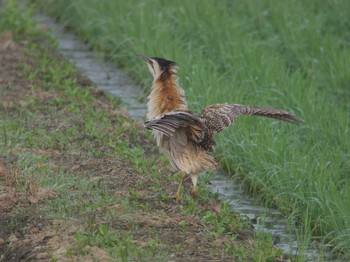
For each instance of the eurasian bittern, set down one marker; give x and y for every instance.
(186, 137)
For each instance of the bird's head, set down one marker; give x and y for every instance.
(157, 66)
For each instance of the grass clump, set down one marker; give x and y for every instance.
(286, 55)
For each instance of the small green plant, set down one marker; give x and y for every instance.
(18, 20)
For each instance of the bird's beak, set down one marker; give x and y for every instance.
(145, 58)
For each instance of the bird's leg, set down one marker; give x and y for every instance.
(194, 186)
(178, 192)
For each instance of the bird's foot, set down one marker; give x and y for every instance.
(178, 197)
(194, 192)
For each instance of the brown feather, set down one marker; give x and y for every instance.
(186, 137)
(220, 116)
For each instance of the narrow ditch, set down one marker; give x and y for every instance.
(111, 79)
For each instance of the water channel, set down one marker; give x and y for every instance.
(111, 79)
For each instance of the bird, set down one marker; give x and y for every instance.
(186, 137)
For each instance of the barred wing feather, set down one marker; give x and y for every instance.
(168, 123)
(220, 116)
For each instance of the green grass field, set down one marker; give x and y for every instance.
(80, 181)
(293, 55)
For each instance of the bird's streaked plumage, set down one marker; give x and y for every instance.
(186, 137)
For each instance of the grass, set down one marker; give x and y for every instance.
(80, 181)
(290, 55)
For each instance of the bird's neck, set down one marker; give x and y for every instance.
(166, 96)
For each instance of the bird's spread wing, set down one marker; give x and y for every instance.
(220, 116)
(168, 123)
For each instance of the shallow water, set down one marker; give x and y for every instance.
(263, 219)
(105, 75)
(111, 79)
